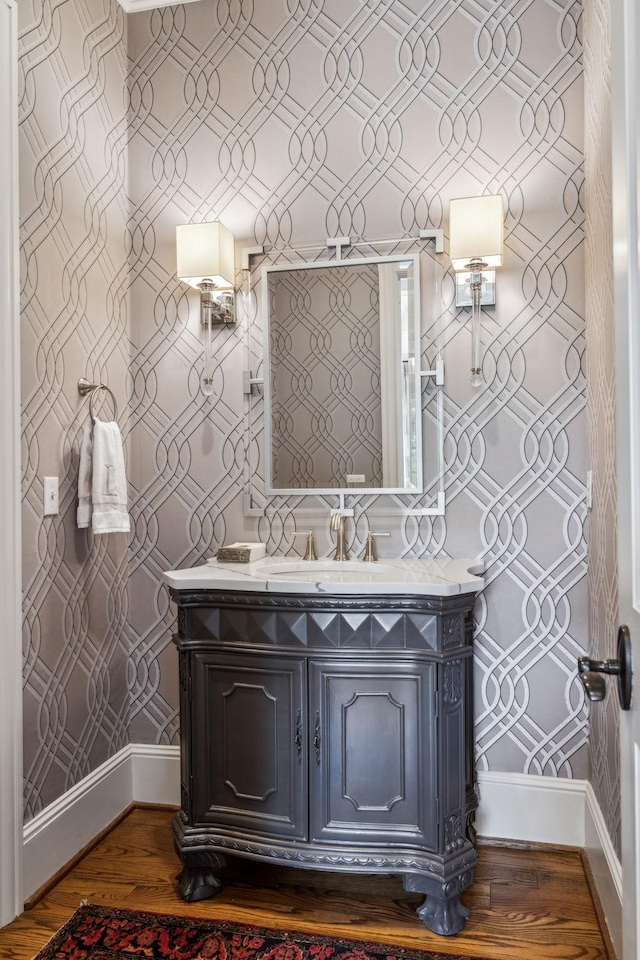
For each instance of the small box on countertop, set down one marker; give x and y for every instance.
(241, 552)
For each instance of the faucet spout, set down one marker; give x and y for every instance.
(337, 524)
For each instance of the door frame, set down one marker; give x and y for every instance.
(625, 35)
(11, 899)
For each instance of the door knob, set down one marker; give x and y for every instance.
(590, 670)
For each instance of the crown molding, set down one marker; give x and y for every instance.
(133, 6)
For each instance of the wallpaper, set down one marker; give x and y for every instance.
(324, 346)
(293, 121)
(74, 278)
(604, 748)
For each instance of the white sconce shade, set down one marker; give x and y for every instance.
(476, 231)
(205, 251)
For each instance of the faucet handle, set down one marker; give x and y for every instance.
(310, 553)
(370, 552)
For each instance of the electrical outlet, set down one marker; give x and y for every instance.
(589, 489)
(51, 496)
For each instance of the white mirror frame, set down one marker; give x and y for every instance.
(272, 491)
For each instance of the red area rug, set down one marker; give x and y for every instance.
(104, 933)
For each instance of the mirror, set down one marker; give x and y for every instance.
(342, 376)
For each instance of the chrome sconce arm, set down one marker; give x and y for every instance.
(475, 269)
(215, 308)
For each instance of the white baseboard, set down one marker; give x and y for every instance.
(137, 773)
(538, 809)
(605, 866)
(512, 807)
(530, 808)
(156, 774)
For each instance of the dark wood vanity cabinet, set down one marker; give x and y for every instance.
(330, 733)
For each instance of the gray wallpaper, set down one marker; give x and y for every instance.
(291, 122)
(74, 277)
(604, 747)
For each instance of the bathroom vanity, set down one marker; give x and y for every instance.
(326, 722)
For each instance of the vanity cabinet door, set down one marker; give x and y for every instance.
(248, 726)
(373, 759)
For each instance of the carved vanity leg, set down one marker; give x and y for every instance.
(200, 882)
(441, 911)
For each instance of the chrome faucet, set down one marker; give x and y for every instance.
(337, 524)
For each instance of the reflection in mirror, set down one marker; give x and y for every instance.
(342, 379)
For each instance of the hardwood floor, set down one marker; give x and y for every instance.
(525, 905)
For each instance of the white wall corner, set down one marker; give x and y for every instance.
(531, 808)
(538, 809)
(156, 774)
(137, 773)
(62, 829)
(605, 867)
(133, 6)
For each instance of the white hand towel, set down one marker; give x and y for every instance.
(109, 486)
(85, 472)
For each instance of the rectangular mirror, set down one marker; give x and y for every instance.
(342, 376)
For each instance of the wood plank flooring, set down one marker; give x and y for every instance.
(525, 905)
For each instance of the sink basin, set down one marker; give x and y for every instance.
(431, 577)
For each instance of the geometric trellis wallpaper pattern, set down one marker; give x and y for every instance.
(296, 121)
(74, 280)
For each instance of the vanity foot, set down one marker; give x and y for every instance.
(198, 883)
(441, 911)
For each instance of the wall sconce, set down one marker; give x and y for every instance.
(476, 230)
(206, 261)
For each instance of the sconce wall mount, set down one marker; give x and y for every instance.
(465, 281)
(476, 229)
(216, 306)
(206, 261)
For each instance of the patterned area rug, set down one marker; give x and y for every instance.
(104, 933)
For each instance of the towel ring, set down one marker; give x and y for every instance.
(85, 387)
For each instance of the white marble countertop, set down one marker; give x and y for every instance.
(438, 578)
